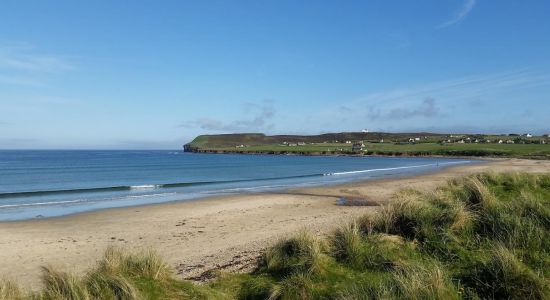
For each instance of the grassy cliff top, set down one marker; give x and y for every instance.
(255, 139)
(379, 143)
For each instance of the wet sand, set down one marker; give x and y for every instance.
(222, 233)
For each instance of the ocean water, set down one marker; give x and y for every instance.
(35, 184)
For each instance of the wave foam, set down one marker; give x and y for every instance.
(145, 186)
(394, 168)
(42, 203)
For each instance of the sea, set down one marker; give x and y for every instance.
(51, 183)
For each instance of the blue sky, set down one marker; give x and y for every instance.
(153, 74)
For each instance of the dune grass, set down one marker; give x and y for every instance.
(479, 237)
(9, 290)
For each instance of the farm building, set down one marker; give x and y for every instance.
(356, 147)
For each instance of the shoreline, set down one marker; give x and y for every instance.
(404, 155)
(440, 166)
(200, 235)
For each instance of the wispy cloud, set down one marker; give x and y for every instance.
(24, 57)
(261, 115)
(464, 88)
(445, 103)
(23, 64)
(37, 103)
(20, 80)
(428, 108)
(460, 14)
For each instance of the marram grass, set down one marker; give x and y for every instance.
(9, 290)
(484, 236)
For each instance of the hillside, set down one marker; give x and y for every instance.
(376, 143)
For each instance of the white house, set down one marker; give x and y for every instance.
(365, 131)
(357, 147)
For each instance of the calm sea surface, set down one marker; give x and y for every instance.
(53, 183)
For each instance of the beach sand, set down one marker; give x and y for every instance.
(195, 237)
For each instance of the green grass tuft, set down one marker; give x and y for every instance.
(304, 253)
(147, 264)
(61, 285)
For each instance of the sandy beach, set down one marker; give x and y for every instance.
(222, 233)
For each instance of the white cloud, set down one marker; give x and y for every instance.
(459, 15)
(261, 115)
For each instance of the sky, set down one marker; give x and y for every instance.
(154, 74)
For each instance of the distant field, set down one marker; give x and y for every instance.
(428, 146)
(533, 150)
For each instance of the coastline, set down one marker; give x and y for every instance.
(346, 154)
(150, 191)
(224, 232)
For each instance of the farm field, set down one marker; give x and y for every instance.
(455, 149)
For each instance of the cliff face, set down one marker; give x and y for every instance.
(189, 148)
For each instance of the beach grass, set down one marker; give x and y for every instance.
(10, 290)
(483, 236)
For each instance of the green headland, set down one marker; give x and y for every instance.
(377, 143)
